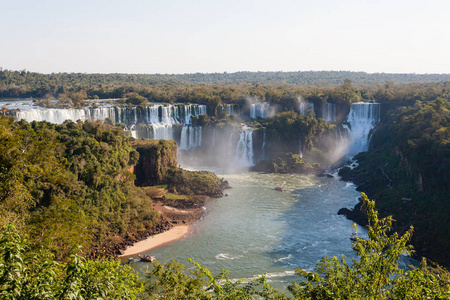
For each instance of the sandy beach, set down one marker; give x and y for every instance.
(157, 240)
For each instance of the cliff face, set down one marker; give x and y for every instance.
(156, 158)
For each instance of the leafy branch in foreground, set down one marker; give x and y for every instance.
(27, 275)
(376, 274)
(170, 282)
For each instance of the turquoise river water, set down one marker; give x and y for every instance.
(257, 230)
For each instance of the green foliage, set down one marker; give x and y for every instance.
(287, 130)
(27, 275)
(135, 99)
(69, 184)
(171, 282)
(285, 163)
(156, 86)
(194, 182)
(376, 274)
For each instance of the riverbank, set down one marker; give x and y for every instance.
(396, 195)
(155, 241)
(177, 215)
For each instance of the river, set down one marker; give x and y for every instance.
(256, 229)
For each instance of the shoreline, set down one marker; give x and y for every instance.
(155, 241)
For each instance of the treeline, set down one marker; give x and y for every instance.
(70, 184)
(410, 159)
(374, 275)
(277, 78)
(335, 87)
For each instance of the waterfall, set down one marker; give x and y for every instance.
(57, 116)
(161, 132)
(231, 109)
(362, 119)
(191, 137)
(244, 148)
(155, 113)
(154, 121)
(338, 138)
(259, 110)
(263, 146)
(304, 106)
(132, 132)
(329, 112)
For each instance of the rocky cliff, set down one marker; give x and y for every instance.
(156, 158)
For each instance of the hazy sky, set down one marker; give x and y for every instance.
(181, 36)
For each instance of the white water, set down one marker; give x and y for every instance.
(259, 110)
(191, 137)
(244, 148)
(329, 112)
(231, 109)
(304, 106)
(154, 121)
(362, 119)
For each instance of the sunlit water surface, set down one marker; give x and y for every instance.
(257, 229)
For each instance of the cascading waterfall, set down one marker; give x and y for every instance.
(151, 114)
(304, 106)
(329, 112)
(160, 132)
(153, 121)
(259, 110)
(132, 132)
(57, 116)
(244, 148)
(362, 119)
(231, 109)
(191, 137)
(339, 139)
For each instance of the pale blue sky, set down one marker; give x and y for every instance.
(176, 36)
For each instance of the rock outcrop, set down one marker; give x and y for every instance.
(156, 158)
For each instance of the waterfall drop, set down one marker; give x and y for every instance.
(244, 148)
(362, 119)
(329, 112)
(191, 137)
(154, 121)
(259, 110)
(304, 106)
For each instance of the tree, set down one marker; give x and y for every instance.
(135, 99)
